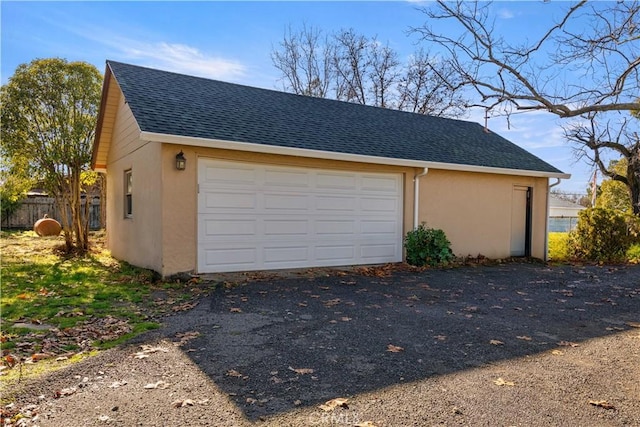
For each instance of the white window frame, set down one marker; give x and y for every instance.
(128, 193)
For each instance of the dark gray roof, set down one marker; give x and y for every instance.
(176, 104)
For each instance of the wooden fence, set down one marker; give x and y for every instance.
(34, 208)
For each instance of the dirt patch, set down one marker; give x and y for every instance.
(512, 344)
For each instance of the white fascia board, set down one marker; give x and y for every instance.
(330, 155)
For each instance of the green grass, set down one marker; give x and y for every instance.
(75, 296)
(558, 246)
(40, 285)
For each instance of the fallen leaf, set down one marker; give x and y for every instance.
(117, 384)
(602, 403)
(365, 424)
(524, 337)
(334, 403)
(332, 302)
(39, 356)
(64, 392)
(394, 348)
(235, 310)
(10, 360)
(236, 374)
(634, 324)
(140, 355)
(180, 403)
(297, 402)
(159, 385)
(184, 307)
(345, 319)
(568, 344)
(440, 337)
(301, 371)
(557, 352)
(496, 342)
(501, 382)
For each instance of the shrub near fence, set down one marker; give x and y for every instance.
(34, 208)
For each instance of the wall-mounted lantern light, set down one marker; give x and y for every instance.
(181, 162)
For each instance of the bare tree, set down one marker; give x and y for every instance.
(351, 63)
(585, 66)
(620, 137)
(424, 89)
(383, 74)
(355, 68)
(304, 59)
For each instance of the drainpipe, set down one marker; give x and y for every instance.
(416, 195)
(546, 236)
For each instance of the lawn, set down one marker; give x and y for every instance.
(55, 306)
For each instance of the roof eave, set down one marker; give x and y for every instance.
(330, 155)
(101, 112)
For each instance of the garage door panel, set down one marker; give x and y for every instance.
(254, 217)
(336, 180)
(335, 203)
(333, 227)
(281, 178)
(226, 200)
(215, 228)
(335, 253)
(379, 204)
(244, 257)
(284, 254)
(291, 227)
(286, 202)
(230, 175)
(380, 184)
(378, 227)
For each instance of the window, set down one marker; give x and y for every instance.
(128, 199)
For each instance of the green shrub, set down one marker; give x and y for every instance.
(633, 253)
(427, 246)
(600, 235)
(558, 246)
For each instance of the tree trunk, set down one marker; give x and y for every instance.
(62, 198)
(79, 228)
(633, 182)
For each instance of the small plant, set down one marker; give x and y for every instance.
(427, 246)
(558, 246)
(601, 235)
(633, 253)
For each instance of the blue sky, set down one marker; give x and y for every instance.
(232, 41)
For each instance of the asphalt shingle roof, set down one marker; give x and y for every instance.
(177, 104)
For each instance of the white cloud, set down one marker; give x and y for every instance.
(505, 13)
(183, 59)
(169, 56)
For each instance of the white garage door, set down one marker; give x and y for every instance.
(261, 217)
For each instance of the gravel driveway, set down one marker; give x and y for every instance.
(510, 344)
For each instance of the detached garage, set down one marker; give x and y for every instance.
(207, 176)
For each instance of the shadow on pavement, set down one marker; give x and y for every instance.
(280, 344)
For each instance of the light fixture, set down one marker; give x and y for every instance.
(181, 162)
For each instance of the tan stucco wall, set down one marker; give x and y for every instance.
(137, 240)
(474, 210)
